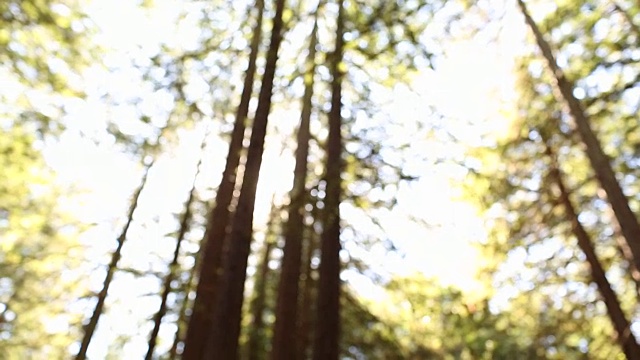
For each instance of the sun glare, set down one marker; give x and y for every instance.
(430, 225)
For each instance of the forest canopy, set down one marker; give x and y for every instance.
(329, 179)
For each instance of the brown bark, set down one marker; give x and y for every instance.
(284, 337)
(326, 345)
(90, 328)
(259, 302)
(620, 323)
(628, 18)
(598, 159)
(258, 305)
(624, 250)
(305, 323)
(182, 314)
(223, 335)
(174, 265)
(203, 307)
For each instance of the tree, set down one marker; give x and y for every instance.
(622, 326)
(213, 246)
(39, 243)
(599, 161)
(173, 266)
(98, 310)
(225, 331)
(328, 308)
(284, 337)
(257, 341)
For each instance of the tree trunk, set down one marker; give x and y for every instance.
(628, 18)
(173, 267)
(624, 250)
(306, 318)
(90, 328)
(255, 346)
(203, 307)
(223, 335)
(620, 323)
(599, 161)
(326, 345)
(284, 337)
(182, 314)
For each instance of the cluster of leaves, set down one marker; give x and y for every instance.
(519, 195)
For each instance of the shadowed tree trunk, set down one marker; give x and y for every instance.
(212, 248)
(182, 321)
(623, 248)
(223, 335)
(255, 345)
(629, 18)
(599, 160)
(328, 309)
(90, 328)
(174, 265)
(306, 318)
(284, 337)
(620, 323)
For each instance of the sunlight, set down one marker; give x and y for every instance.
(486, 208)
(442, 247)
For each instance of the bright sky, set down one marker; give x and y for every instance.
(468, 87)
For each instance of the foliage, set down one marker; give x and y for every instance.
(39, 257)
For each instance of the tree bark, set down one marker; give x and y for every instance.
(90, 328)
(599, 160)
(173, 266)
(620, 323)
(306, 318)
(623, 249)
(182, 314)
(258, 304)
(326, 345)
(203, 307)
(284, 337)
(223, 335)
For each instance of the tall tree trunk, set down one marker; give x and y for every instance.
(620, 323)
(326, 345)
(255, 346)
(182, 321)
(174, 265)
(284, 337)
(599, 160)
(223, 335)
(628, 18)
(623, 249)
(203, 307)
(306, 318)
(90, 328)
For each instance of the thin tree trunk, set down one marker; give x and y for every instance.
(284, 337)
(223, 335)
(599, 161)
(326, 346)
(623, 249)
(620, 323)
(203, 307)
(258, 304)
(628, 18)
(306, 318)
(182, 315)
(90, 328)
(173, 267)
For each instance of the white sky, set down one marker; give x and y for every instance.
(468, 87)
